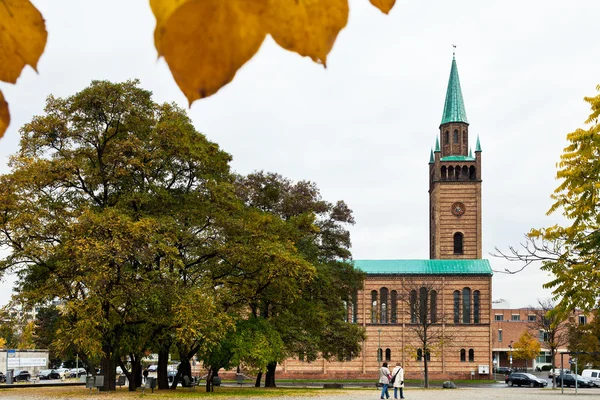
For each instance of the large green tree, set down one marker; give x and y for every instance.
(570, 251)
(110, 196)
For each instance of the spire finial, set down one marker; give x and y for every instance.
(453, 51)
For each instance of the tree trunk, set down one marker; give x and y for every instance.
(258, 379)
(270, 376)
(209, 381)
(163, 362)
(107, 369)
(425, 371)
(184, 369)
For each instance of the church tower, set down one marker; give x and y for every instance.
(454, 183)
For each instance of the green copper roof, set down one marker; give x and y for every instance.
(470, 153)
(454, 107)
(437, 144)
(478, 146)
(425, 267)
(431, 159)
(457, 158)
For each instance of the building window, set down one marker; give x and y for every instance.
(476, 307)
(498, 317)
(384, 301)
(374, 307)
(345, 305)
(379, 354)
(413, 306)
(543, 336)
(466, 294)
(582, 320)
(388, 355)
(394, 304)
(433, 306)
(464, 137)
(423, 305)
(455, 136)
(420, 355)
(515, 317)
(463, 355)
(446, 137)
(301, 356)
(456, 306)
(531, 318)
(458, 243)
(354, 308)
(499, 335)
(471, 355)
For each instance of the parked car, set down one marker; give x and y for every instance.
(558, 371)
(77, 372)
(569, 380)
(22, 376)
(525, 379)
(45, 374)
(593, 375)
(62, 373)
(171, 375)
(503, 370)
(2, 377)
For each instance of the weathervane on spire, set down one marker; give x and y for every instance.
(453, 50)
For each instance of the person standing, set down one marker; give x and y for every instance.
(398, 378)
(145, 373)
(384, 379)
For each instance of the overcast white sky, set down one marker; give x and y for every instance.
(363, 128)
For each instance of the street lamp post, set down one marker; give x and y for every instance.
(379, 349)
(510, 354)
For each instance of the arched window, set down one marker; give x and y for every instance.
(456, 306)
(388, 355)
(419, 354)
(379, 354)
(465, 172)
(374, 307)
(476, 307)
(472, 175)
(394, 307)
(455, 136)
(423, 305)
(458, 243)
(384, 305)
(464, 137)
(463, 355)
(446, 137)
(433, 306)
(471, 355)
(413, 306)
(450, 173)
(466, 306)
(444, 173)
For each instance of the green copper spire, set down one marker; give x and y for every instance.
(477, 146)
(454, 107)
(470, 153)
(431, 159)
(437, 144)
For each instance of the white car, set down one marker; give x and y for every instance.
(63, 372)
(77, 372)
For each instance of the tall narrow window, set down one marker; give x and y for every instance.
(345, 305)
(379, 354)
(464, 137)
(423, 305)
(355, 307)
(463, 355)
(456, 306)
(458, 243)
(433, 306)
(413, 306)
(384, 305)
(499, 335)
(419, 354)
(466, 306)
(374, 307)
(394, 307)
(471, 355)
(476, 306)
(444, 173)
(446, 138)
(455, 136)
(388, 355)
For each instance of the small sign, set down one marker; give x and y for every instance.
(11, 353)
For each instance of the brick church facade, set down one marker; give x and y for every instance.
(439, 308)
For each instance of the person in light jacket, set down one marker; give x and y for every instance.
(398, 372)
(384, 379)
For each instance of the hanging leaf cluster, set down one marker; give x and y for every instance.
(204, 42)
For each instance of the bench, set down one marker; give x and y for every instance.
(94, 382)
(189, 383)
(150, 384)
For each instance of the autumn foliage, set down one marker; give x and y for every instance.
(204, 42)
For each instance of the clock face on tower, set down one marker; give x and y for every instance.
(458, 208)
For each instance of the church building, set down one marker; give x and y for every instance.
(433, 313)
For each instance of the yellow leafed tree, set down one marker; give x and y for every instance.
(204, 42)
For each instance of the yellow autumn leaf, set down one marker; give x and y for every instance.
(308, 27)
(4, 115)
(22, 38)
(384, 5)
(205, 42)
